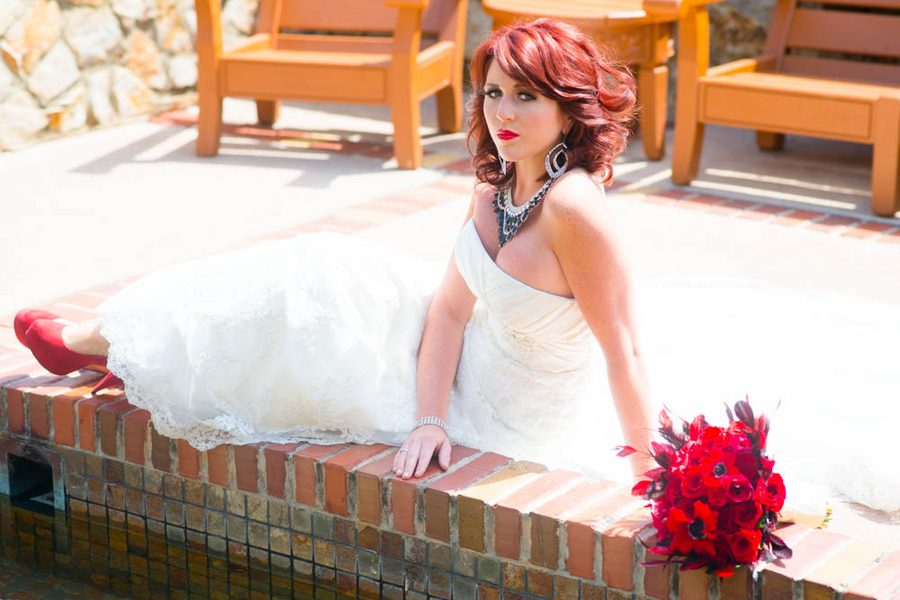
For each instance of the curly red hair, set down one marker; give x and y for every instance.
(560, 62)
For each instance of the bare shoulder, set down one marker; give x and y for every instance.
(577, 207)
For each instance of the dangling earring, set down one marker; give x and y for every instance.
(502, 164)
(557, 161)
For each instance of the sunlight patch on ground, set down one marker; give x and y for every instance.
(756, 177)
(770, 194)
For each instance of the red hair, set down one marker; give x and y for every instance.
(558, 61)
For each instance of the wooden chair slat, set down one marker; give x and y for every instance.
(886, 4)
(845, 32)
(343, 43)
(839, 70)
(355, 15)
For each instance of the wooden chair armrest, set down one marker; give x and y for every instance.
(258, 41)
(744, 65)
(408, 33)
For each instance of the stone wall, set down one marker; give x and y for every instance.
(74, 64)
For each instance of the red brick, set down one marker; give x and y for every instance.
(832, 223)
(675, 194)
(404, 493)
(39, 415)
(508, 511)
(71, 313)
(835, 573)
(88, 422)
(217, 465)
(160, 451)
(16, 397)
(87, 302)
(472, 502)
(798, 217)
(762, 213)
(776, 578)
(135, 434)
(892, 237)
(110, 416)
(460, 166)
(276, 467)
(867, 229)
(693, 585)
(39, 399)
(881, 582)
(617, 543)
(63, 415)
(658, 581)
(188, 460)
(737, 587)
(337, 473)
(547, 518)
(582, 528)
(246, 467)
(369, 485)
(305, 469)
(700, 202)
(437, 494)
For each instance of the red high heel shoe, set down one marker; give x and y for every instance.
(45, 341)
(24, 319)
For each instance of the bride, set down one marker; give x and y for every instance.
(527, 345)
(333, 339)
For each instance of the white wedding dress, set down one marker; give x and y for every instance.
(315, 338)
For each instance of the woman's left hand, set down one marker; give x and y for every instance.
(415, 454)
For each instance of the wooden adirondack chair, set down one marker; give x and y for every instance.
(823, 74)
(391, 52)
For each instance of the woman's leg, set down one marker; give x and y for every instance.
(85, 338)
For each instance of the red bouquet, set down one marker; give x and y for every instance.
(714, 497)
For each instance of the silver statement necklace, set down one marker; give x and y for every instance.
(511, 217)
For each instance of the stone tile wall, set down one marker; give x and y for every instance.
(68, 65)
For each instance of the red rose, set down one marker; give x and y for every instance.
(738, 488)
(748, 464)
(770, 492)
(692, 485)
(716, 496)
(747, 514)
(744, 545)
(673, 490)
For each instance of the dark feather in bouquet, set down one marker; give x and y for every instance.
(714, 498)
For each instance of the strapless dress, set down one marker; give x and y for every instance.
(316, 337)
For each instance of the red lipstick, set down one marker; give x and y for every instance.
(506, 134)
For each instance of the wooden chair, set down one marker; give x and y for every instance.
(389, 52)
(822, 75)
(638, 33)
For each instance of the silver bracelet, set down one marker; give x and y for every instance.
(431, 420)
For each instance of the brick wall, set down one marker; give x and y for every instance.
(488, 526)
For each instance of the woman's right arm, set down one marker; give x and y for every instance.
(439, 354)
